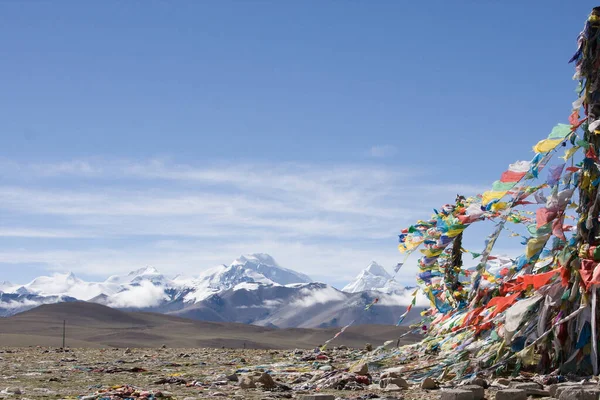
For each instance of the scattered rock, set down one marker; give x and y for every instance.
(391, 387)
(480, 382)
(267, 381)
(247, 383)
(360, 369)
(456, 394)
(164, 346)
(13, 390)
(369, 347)
(511, 394)
(127, 351)
(531, 388)
(233, 378)
(392, 373)
(478, 391)
(317, 397)
(579, 393)
(429, 384)
(502, 382)
(556, 389)
(383, 383)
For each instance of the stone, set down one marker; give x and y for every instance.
(391, 387)
(511, 394)
(267, 381)
(360, 369)
(394, 381)
(480, 382)
(531, 388)
(317, 397)
(127, 351)
(590, 393)
(14, 390)
(552, 389)
(572, 393)
(164, 346)
(501, 382)
(233, 378)
(369, 347)
(478, 391)
(456, 394)
(247, 383)
(562, 388)
(429, 384)
(392, 373)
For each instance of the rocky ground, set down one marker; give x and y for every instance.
(36, 372)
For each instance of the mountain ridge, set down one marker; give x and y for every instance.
(253, 289)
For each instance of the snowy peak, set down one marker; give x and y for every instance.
(377, 270)
(256, 258)
(144, 271)
(5, 286)
(143, 274)
(266, 266)
(61, 285)
(222, 278)
(376, 278)
(147, 287)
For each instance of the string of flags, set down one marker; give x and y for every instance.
(538, 309)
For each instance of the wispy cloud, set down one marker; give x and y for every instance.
(109, 216)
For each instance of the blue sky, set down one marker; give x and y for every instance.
(183, 134)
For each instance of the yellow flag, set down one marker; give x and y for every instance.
(569, 153)
(500, 206)
(534, 245)
(491, 195)
(546, 145)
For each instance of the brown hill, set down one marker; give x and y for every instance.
(94, 325)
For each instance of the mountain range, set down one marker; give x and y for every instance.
(253, 289)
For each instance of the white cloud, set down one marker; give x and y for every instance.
(328, 221)
(319, 296)
(42, 233)
(145, 295)
(404, 299)
(383, 151)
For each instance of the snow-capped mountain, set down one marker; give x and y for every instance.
(67, 285)
(310, 305)
(375, 278)
(259, 268)
(147, 288)
(14, 303)
(147, 274)
(6, 285)
(265, 265)
(252, 289)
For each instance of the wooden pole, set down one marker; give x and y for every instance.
(453, 270)
(588, 227)
(64, 333)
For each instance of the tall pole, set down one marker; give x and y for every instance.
(588, 226)
(64, 333)
(453, 270)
